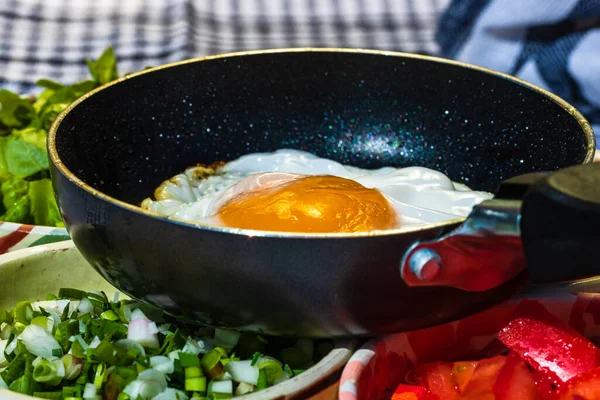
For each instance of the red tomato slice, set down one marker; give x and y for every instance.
(437, 380)
(405, 396)
(544, 387)
(404, 389)
(515, 381)
(550, 346)
(583, 387)
(462, 372)
(481, 384)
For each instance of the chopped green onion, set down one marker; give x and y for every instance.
(261, 382)
(273, 369)
(255, 358)
(98, 300)
(195, 381)
(189, 360)
(99, 377)
(49, 395)
(106, 352)
(69, 293)
(73, 366)
(23, 385)
(48, 372)
(5, 316)
(211, 364)
(24, 312)
(109, 315)
(73, 392)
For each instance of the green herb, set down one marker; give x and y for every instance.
(27, 195)
(99, 354)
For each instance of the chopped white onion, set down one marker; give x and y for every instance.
(56, 305)
(95, 342)
(193, 347)
(142, 330)
(171, 394)
(3, 362)
(90, 391)
(148, 384)
(38, 341)
(86, 306)
(11, 346)
(243, 371)
(164, 329)
(225, 387)
(174, 355)
(3, 384)
(162, 364)
(244, 388)
(55, 319)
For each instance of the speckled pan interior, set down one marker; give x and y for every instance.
(362, 109)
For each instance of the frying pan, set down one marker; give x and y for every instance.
(113, 147)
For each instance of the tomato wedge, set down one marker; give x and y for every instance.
(408, 392)
(462, 372)
(437, 380)
(550, 346)
(515, 381)
(481, 384)
(583, 387)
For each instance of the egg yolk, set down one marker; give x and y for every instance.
(321, 203)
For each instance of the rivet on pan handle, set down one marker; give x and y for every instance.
(483, 253)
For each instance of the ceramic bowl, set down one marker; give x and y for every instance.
(15, 236)
(376, 369)
(30, 274)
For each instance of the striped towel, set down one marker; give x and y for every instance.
(53, 38)
(554, 44)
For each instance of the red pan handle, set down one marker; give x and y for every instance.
(549, 223)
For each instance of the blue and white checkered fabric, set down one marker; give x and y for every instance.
(554, 44)
(52, 38)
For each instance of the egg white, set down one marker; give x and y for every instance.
(419, 195)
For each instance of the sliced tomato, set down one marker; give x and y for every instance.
(405, 390)
(462, 372)
(437, 380)
(515, 381)
(481, 384)
(550, 346)
(583, 387)
(544, 386)
(405, 396)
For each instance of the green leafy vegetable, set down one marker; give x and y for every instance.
(97, 350)
(24, 124)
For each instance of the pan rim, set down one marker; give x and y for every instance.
(69, 175)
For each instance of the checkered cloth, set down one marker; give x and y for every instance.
(52, 38)
(552, 43)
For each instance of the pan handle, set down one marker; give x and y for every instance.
(547, 222)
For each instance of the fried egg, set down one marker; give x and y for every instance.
(295, 191)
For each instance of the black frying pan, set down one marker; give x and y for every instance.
(112, 148)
